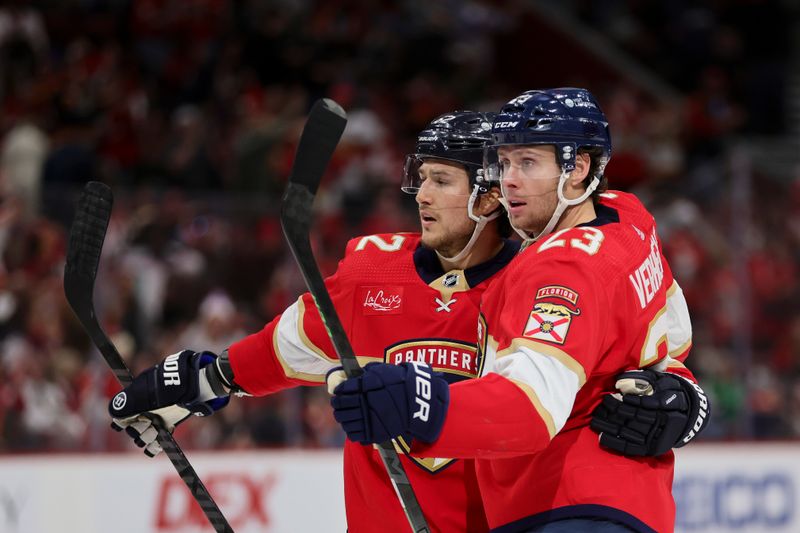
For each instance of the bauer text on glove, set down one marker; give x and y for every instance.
(388, 401)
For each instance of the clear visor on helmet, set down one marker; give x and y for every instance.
(443, 175)
(530, 161)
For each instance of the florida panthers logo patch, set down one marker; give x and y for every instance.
(444, 355)
(549, 322)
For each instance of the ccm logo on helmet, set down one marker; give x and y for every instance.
(422, 383)
(505, 124)
(171, 375)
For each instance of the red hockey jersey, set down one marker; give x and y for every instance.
(563, 319)
(396, 304)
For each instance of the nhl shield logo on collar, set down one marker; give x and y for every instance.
(450, 280)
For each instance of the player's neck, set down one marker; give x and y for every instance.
(485, 248)
(577, 214)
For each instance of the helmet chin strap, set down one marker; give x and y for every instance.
(563, 203)
(480, 223)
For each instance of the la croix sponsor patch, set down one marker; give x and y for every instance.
(381, 300)
(550, 321)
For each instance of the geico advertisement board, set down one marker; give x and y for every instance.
(737, 488)
(718, 488)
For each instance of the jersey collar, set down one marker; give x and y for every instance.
(429, 268)
(605, 215)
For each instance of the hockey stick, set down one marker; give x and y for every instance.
(83, 256)
(320, 136)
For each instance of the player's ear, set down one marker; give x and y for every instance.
(582, 165)
(487, 202)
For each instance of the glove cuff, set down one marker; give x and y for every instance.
(222, 378)
(699, 410)
(211, 394)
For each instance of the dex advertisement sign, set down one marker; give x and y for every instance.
(264, 492)
(718, 489)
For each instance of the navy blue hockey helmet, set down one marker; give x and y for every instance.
(568, 118)
(460, 137)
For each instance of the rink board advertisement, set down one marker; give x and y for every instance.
(264, 492)
(738, 487)
(718, 488)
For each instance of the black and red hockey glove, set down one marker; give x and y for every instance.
(653, 413)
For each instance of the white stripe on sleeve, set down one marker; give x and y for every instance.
(298, 357)
(679, 327)
(555, 384)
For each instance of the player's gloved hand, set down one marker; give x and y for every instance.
(388, 401)
(184, 383)
(655, 412)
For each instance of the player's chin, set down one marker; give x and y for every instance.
(430, 238)
(521, 221)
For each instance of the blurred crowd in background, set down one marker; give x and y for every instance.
(190, 111)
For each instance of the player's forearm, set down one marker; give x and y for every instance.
(488, 417)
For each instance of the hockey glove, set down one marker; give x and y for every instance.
(657, 411)
(184, 383)
(388, 401)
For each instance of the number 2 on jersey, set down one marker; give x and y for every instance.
(397, 242)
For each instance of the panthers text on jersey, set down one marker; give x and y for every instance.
(566, 316)
(396, 304)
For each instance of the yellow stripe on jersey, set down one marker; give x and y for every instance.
(681, 349)
(674, 363)
(297, 355)
(551, 377)
(494, 344)
(450, 283)
(365, 359)
(431, 464)
(657, 332)
(288, 370)
(489, 352)
(547, 418)
(551, 351)
(301, 332)
(672, 288)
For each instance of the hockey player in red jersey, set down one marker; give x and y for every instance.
(590, 297)
(401, 297)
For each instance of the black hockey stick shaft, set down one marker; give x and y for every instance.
(318, 141)
(83, 257)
